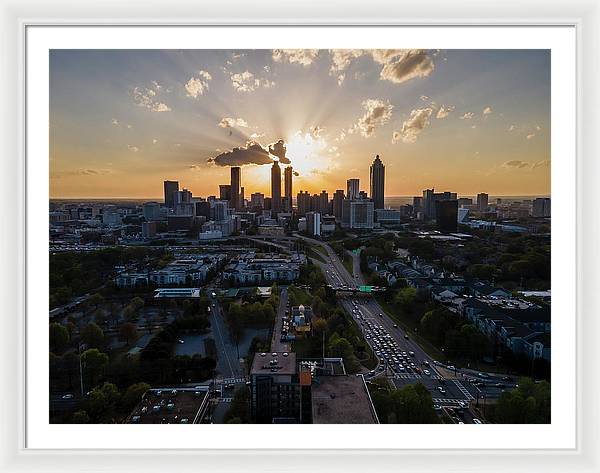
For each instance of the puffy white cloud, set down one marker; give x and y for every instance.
(146, 97)
(248, 82)
(414, 125)
(444, 111)
(196, 86)
(530, 136)
(255, 136)
(487, 110)
(154, 141)
(229, 122)
(304, 57)
(401, 65)
(342, 58)
(424, 98)
(114, 121)
(132, 148)
(467, 116)
(512, 128)
(252, 153)
(538, 128)
(377, 113)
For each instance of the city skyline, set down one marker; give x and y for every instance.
(122, 122)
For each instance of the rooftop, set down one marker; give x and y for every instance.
(344, 399)
(170, 406)
(274, 363)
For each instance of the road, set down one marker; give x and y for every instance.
(276, 344)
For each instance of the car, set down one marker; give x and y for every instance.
(477, 421)
(437, 407)
(505, 378)
(452, 367)
(67, 396)
(427, 372)
(411, 353)
(395, 325)
(441, 390)
(483, 375)
(406, 336)
(462, 404)
(500, 385)
(180, 342)
(230, 386)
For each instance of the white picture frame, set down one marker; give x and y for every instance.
(583, 15)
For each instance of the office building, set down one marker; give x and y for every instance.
(151, 211)
(234, 187)
(257, 201)
(287, 184)
(417, 204)
(430, 197)
(482, 202)
(280, 389)
(202, 209)
(242, 198)
(377, 181)
(303, 202)
(388, 216)
(170, 188)
(221, 210)
(464, 201)
(275, 188)
(183, 196)
(446, 215)
(179, 222)
(323, 203)
(353, 189)
(541, 208)
(225, 192)
(357, 214)
(148, 229)
(313, 223)
(338, 201)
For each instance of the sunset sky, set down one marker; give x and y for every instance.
(466, 121)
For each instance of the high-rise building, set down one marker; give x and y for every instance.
(287, 179)
(275, 188)
(235, 187)
(313, 223)
(151, 211)
(541, 207)
(221, 209)
(148, 229)
(430, 197)
(357, 214)
(338, 200)
(482, 202)
(170, 187)
(446, 215)
(225, 192)
(202, 209)
(303, 202)
(242, 198)
(464, 201)
(257, 200)
(377, 178)
(417, 204)
(324, 203)
(183, 196)
(353, 189)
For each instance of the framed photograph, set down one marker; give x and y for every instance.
(328, 240)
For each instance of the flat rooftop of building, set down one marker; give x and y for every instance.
(166, 292)
(171, 406)
(274, 363)
(341, 400)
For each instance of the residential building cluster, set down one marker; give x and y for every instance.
(253, 269)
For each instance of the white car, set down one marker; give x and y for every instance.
(477, 421)
(427, 372)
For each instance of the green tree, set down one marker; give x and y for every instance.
(101, 403)
(95, 300)
(59, 337)
(99, 316)
(81, 417)
(405, 297)
(128, 332)
(133, 395)
(93, 336)
(94, 363)
(528, 404)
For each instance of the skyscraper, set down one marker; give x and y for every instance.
(170, 188)
(303, 202)
(275, 188)
(353, 189)
(287, 178)
(235, 187)
(482, 202)
(377, 178)
(225, 192)
(338, 200)
(324, 203)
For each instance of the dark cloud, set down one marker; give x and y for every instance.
(252, 153)
(296, 173)
(278, 149)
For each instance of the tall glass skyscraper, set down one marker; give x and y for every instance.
(377, 177)
(276, 188)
